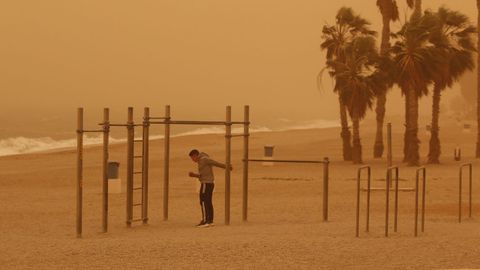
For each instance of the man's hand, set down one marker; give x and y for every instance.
(231, 167)
(192, 174)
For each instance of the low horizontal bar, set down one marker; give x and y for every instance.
(137, 172)
(123, 125)
(213, 123)
(138, 188)
(158, 118)
(137, 156)
(391, 189)
(137, 204)
(136, 220)
(239, 135)
(285, 161)
(92, 130)
(137, 140)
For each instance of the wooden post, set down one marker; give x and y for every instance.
(130, 142)
(246, 135)
(106, 134)
(79, 170)
(166, 161)
(145, 163)
(228, 134)
(389, 147)
(325, 188)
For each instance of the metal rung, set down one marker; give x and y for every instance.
(137, 172)
(136, 220)
(137, 204)
(137, 140)
(137, 156)
(138, 188)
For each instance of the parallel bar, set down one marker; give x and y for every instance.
(155, 118)
(246, 134)
(325, 188)
(130, 138)
(92, 130)
(79, 171)
(387, 201)
(186, 122)
(359, 175)
(423, 198)
(145, 163)
(136, 220)
(138, 188)
(389, 145)
(395, 221)
(137, 204)
(228, 131)
(424, 179)
(166, 162)
(137, 172)
(287, 161)
(239, 135)
(106, 133)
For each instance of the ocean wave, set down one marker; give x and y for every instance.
(24, 145)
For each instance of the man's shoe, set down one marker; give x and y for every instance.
(211, 224)
(202, 223)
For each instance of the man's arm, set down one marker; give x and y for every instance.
(217, 164)
(194, 175)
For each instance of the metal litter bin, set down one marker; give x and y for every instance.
(268, 154)
(114, 182)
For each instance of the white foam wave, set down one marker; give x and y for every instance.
(23, 145)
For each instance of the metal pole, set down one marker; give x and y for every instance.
(166, 160)
(396, 201)
(130, 142)
(416, 205)
(389, 142)
(106, 133)
(470, 192)
(357, 227)
(79, 170)
(246, 135)
(460, 196)
(368, 197)
(145, 163)
(387, 202)
(325, 188)
(423, 198)
(228, 133)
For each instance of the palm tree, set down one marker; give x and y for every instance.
(336, 37)
(415, 60)
(389, 11)
(357, 81)
(453, 34)
(478, 84)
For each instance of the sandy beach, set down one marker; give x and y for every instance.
(285, 228)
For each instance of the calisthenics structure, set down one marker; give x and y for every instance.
(131, 156)
(420, 173)
(460, 181)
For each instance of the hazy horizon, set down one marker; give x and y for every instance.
(196, 56)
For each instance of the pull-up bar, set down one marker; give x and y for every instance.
(186, 122)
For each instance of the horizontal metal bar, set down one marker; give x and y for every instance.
(213, 123)
(137, 172)
(92, 130)
(137, 204)
(138, 140)
(391, 189)
(136, 220)
(138, 188)
(239, 135)
(158, 118)
(124, 125)
(137, 156)
(285, 161)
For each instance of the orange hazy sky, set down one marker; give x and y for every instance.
(57, 55)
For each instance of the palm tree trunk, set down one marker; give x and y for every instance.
(478, 85)
(435, 148)
(406, 137)
(413, 156)
(418, 8)
(346, 135)
(357, 146)
(382, 97)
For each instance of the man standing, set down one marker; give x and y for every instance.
(205, 175)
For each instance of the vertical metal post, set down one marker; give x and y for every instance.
(387, 202)
(228, 137)
(460, 196)
(79, 170)
(357, 220)
(470, 191)
(246, 135)
(389, 147)
(106, 133)
(130, 142)
(166, 160)
(368, 197)
(416, 205)
(325, 188)
(145, 163)
(396, 201)
(423, 198)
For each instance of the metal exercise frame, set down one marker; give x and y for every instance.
(359, 175)
(460, 180)
(423, 172)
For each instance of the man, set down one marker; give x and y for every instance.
(205, 175)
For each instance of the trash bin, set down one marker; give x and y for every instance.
(268, 154)
(114, 182)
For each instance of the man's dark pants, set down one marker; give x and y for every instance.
(206, 194)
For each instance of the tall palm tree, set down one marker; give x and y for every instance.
(389, 11)
(415, 60)
(336, 38)
(478, 84)
(453, 34)
(357, 81)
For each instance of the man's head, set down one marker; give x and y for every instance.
(194, 155)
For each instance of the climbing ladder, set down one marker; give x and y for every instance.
(137, 176)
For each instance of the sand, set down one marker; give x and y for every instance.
(285, 228)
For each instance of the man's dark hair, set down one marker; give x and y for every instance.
(194, 152)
